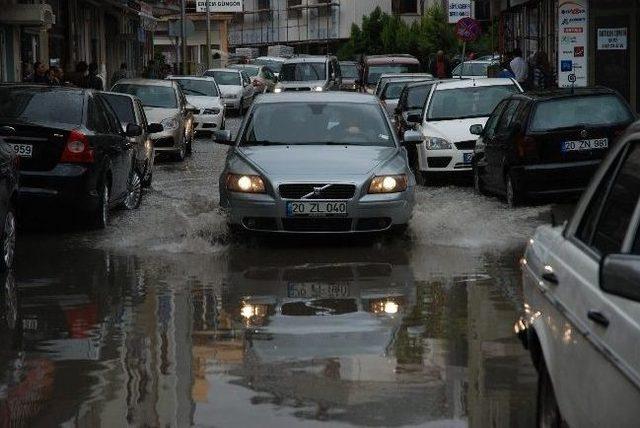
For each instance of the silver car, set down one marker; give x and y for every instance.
(310, 74)
(336, 167)
(235, 87)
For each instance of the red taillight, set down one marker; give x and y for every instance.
(77, 149)
(527, 147)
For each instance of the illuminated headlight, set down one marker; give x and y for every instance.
(170, 123)
(386, 306)
(213, 111)
(318, 89)
(277, 90)
(245, 183)
(388, 184)
(435, 143)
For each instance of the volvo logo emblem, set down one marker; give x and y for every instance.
(584, 133)
(317, 191)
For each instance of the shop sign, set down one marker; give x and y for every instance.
(459, 9)
(219, 6)
(573, 26)
(610, 39)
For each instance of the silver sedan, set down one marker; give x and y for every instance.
(316, 163)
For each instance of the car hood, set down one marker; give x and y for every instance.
(230, 89)
(157, 115)
(204, 102)
(452, 130)
(317, 162)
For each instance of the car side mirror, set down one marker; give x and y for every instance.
(154, 128)
(133, 130)
(476, 129)
(414, 118)
(7, 131)
(223, 137)
(190, 108)
(412, 137)
(620, 275)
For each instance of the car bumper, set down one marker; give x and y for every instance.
(168, 141)
(558, 178)
(208, 122)
(231, 103)
(451, 160)
(369, 214)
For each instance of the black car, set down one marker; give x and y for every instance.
(73, 151)
(8, 201)
(411, 101)
(547, 143)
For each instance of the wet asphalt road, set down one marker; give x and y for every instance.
(165, 320)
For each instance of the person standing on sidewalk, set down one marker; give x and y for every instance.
(519, 67)
(441, 68)
(120, 74)
(40, 73)
(94, 81)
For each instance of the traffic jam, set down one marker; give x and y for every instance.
(301, 239)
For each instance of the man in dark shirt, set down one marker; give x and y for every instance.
(94, 82)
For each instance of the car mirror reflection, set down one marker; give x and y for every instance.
(476, 129)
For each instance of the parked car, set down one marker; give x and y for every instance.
(451, 108)
(412, 100)
(310, 73)
(391, 76)
(581, 320)
(390, 92)
(336, 167)
(473, 69)
(235, 87)
(8, 196)
(129, 109)
(350, 75)
(72, 148)
(377, 65)
(541, 144)
(261, 76)
(204, 94)
(164, 103)
(273, 62)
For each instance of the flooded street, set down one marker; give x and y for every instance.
(165, 320)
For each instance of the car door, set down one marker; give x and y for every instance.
(486, 147)
(496, 148)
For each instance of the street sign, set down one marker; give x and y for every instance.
(458, 9)
(468, 30)
(573, 43)
(216, 6)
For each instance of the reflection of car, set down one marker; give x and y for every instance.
(310, 74)
(472, 69)
(377, 65)
(72, 148)
(350, 75)
(390, 91)
(235, 87)
(336, 167)
(273, 62)
(164, 103)
(581, 318)
(203, 93)
(130, 110)
(547, 143)
(262, 78)
(451, 108)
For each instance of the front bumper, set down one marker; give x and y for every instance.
(450, 160)
(554, 179)
(232, 103)
(208, 122)
(168, 141)
(369, 213)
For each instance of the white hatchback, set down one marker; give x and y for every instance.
(451, 108)
(204, 94)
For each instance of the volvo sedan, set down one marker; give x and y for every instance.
(336, 167)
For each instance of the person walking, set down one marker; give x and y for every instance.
(121, 73)
(519, 67)
(79, 76)
(40, 73)
(94, 81)
(440, 67)
(53, 76)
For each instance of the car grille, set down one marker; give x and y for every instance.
(297, 89)
(438, 161)
(466, 145)
(316, 224)
(334, 191)
(163, 142)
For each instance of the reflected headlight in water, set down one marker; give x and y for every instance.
(388, 184)
(245, 183)
(435, 143)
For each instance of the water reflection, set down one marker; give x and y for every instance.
(372, 336)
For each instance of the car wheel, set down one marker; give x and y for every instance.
(512, 192)
(478, 185)
(134, 193)
(100, 216)
(8, 240)
(547, 411)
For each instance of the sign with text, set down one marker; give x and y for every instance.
(573, 31)
(217, 6)
(612, 39)
(459, 9)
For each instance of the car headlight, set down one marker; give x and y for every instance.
(388, 184)
(318, 89)
(170, 123)
(245, 183)
(277, 90)
(435, 143)
(211, 111)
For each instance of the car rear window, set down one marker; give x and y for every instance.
(349, 71)
(41, 105)
(151, 96)
(123, 107)
(474, 101)
(303, 72)
(375, 71)
(229, 78)
(593, 110)
(393, 90)
(418, 96)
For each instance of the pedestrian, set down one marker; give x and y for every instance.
(27, 72)
(505, 67)
(40, 73)
(541, 71)
(440, 67)
(519, 67)
(94, 81)
(121, 73)
(79, 76)
(53, 76)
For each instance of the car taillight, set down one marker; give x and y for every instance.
(77, 149)
(527, 147)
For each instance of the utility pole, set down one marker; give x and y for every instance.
(183, 33)
(208, 37)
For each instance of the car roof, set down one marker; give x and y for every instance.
(309, 58)
(391, 59)
(228, 70)
(329, 97)
(550, 94)
(470, 83)
(46, 88)
(241, 66)
(404, 75)
(272, 58)
(145, 82)
(421, 83)
(120, 94)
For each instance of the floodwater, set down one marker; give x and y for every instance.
(165, 320)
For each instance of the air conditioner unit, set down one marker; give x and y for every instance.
(28, 14)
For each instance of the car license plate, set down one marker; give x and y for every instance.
(467, 157)
(23, 150)
(315, 291)
(316, 208)
(580, 145)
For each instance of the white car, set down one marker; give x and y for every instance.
(235, 87)
(581, 319)
(473, 69)
(203, 93)
(451, 108)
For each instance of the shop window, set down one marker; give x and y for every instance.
(402, 7)
(293, 9)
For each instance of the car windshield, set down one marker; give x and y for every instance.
(251, 71)
(472, 69)
(41, 105)
(594, 110)
(123, 106)
(198, 88)
(392, 90)
(275, 66)
(303, 72)
(326, 123)
(375, 71)
(349, 71)
(230, 78)
(418, 96)
(151, 96)
(475, 101)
